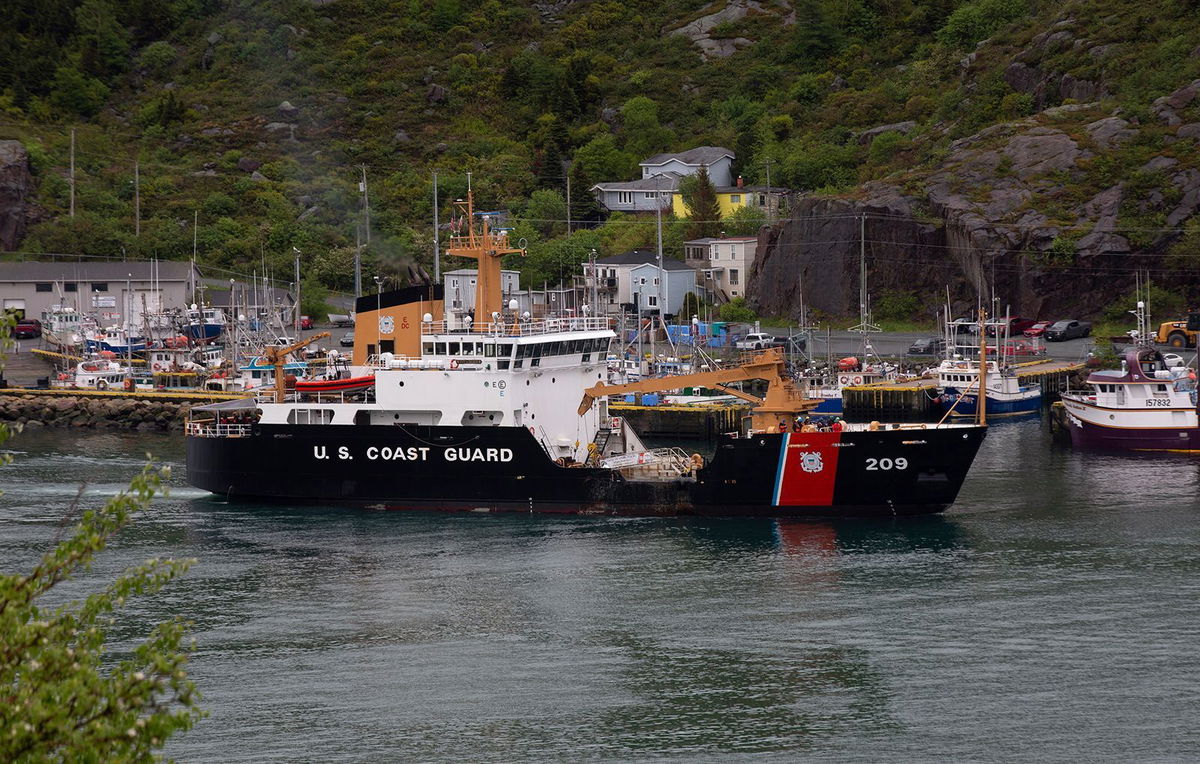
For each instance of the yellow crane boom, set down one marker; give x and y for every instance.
(782, 403)
(276, 356)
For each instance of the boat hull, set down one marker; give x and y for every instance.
(968, 407)
(881, 473)
(203, 332)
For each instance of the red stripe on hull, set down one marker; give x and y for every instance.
(809, 469)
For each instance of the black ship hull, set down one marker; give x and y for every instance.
(847, 474)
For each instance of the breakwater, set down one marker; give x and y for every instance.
(111, 412)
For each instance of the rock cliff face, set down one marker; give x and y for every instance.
(15, 187)
(992, 212)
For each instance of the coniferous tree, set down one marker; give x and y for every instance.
(585, 209)
(700, 199)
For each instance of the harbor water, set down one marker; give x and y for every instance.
(1051, 613)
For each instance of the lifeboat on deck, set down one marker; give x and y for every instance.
(348, 385)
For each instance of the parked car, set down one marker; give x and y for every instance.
(1038, 329)
(306, 322)
(27, 328)
(791, 344)
(1068, 329)
(1172, 360)
(964, 325)
(347, 340)
(755, 341)
(282, 342)
(927, 346)
(1016, 325)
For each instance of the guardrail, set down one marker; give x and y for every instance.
(517, 327)
(217, 430)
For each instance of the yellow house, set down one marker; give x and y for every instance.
(769, 199)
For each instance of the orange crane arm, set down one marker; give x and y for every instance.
(276, 356)
(659, 384)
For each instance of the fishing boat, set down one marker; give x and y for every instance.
(203, 324)
(1143, 406)
(508, 413)
(94, 374)
(62, 327)
(958, 388)
(113, 339)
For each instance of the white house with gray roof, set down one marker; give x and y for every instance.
(661, 174)
(718, 160)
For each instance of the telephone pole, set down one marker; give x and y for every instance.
(770, 215)
(296, 311)
(437, 248)
(362, 187)
(72, 180)
(137, 200)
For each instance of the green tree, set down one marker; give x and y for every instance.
(736, 310)
(644, 135)
(64, 698)
(546, 212)
(700, 199)
(744, 221)
(603, 161)
(74, 92)
(584, 206)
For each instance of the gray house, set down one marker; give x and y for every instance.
(661, 174)
(460, 287)
(678, 280)
(718, 160)
(642, 195)
(109, 289)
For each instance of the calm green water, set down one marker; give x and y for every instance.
(1051, 613)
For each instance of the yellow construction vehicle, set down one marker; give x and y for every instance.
(1180, 334)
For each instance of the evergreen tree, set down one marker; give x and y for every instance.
(585, 208)
(700, 199)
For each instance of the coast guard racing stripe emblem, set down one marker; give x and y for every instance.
(807, 469)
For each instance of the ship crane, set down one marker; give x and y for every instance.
(783, 402)
(276, 356)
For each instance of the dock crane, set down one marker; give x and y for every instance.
(783, 402)
(276, 356)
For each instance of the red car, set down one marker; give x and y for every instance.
(1038, 329)
(27, 328)
(1016, 325)
(306, 322)
(1021, 347)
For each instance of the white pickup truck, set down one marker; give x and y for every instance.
(756, 341)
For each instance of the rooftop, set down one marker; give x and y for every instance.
(105, 270)
(667, 182)
(705, 155)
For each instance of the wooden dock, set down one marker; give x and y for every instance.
(915, 400)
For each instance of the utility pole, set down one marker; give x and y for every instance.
(595, 285)
(137, 200)
(362, 188)
(72, 180)
(770, 215)
(568, 203)
(296, 312)
(358, 264)
(437, 249)
(658, 220)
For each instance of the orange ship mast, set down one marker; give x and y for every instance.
(486, 247)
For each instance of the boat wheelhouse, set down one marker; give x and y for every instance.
(203, 324)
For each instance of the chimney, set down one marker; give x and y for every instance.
(740, 181)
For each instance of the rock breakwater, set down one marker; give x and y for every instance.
(108, 412)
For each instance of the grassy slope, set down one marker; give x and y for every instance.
(360, 70)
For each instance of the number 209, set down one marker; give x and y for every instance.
(899, 463)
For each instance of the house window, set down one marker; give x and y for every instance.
(762, 200)
(43, 286)
(649, 194)
(656, 281)
(624, 197)
(99, 286)
(735, 198)
(642, 281)
(733, 276)
(652, 301)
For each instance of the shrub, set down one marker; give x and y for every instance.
(977, 21)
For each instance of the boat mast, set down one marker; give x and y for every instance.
(982, 406)
(486, 249)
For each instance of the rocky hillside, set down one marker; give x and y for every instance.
(1034, 144)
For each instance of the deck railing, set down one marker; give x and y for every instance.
(517, 327)
(211, 429)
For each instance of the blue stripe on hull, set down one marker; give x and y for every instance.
(996, 407)
(829, 406)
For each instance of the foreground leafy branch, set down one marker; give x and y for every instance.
(61, 696)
